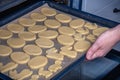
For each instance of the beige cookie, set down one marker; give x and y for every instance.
(52, 50)
(64, 18)
(64, 48)
(66, 31)
(48, 11)
(58, 62)
(5, 50)
(54, 67)
(38, 17)
(15, 28)
(52, 23)
(20, 57)
(37, 28)
(79, 36)
(91, 37)
(26, 22)
(91, 25)
(99, 31)
(27, 36)
(77, 23)
(50, 34)
(21, 75)
(45, 73)
(37, 62)
(32, 49)
(65, 40)
(5, 34)
(70, 54)
(81, 46)
(7, 67)
(34, 77)
(55, 56)
(44, 43)
(83, 31)
(15, 42)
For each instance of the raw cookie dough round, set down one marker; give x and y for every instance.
(15, 28)
(52, 23)
(37, 28)
(20, 57)
(15, 42)
(91, 37)
(83, 31)
(66, 31)
(91, 25)
(37, 62)
(48, 11)
(65, 40)
(32, 49)
(5, 34)
(38, 17)
(81, 45)
(5, 50)
(26, 22)
(78, 37)
(27, 36)
(77, 23)
(99, 31)
(50, 34)
(64, 18)
(44, 43)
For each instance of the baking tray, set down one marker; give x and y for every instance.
(68, 10)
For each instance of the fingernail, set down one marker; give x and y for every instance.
(94, 56)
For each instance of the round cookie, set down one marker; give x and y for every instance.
(63, 18)
(66, 31)
(37, 28)
(5, 34)
(99, 31)
(48, 11)
(27, 36)
(5, 50)
(65, 40)
(78, 37)
(37, 62)
(44, 43)
(91, 25)
(77, 23)
(15, 42)
(52, 23)
(83, 31)
(81, 46)
(32, 49)
(26, 22)
(20, 57)
(38, 17)
(15, 28)
(91, 37)
(50, 34)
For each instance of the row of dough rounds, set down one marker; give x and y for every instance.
(63, 39)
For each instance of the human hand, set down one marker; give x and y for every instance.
(104, 43)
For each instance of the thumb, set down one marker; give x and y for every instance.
(91, 51)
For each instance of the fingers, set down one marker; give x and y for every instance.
(91, 52)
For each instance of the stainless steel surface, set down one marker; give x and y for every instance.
(103, 8)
